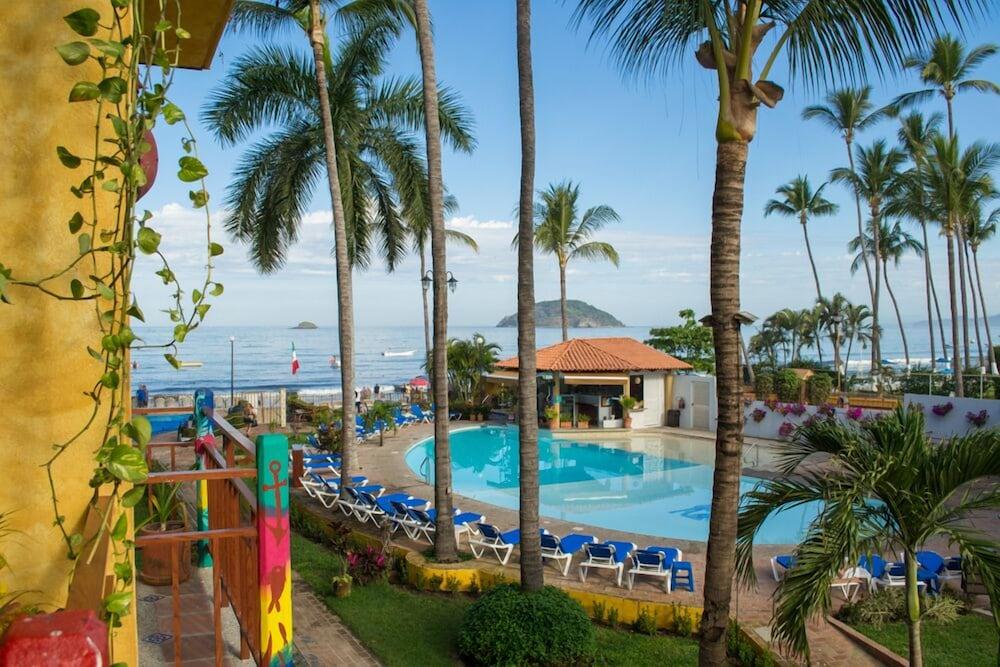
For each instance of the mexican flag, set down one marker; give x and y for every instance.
(295, 361)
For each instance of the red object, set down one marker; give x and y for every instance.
(63, 639)
(295, 361)
(419, 383)
(149, 163)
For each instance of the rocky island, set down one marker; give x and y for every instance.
(305, 325)
(579, 314)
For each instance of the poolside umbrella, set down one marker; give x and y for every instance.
(419, 382)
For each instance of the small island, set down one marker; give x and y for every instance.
(580, 315)
(305, 325)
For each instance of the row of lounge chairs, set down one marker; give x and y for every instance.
(414, 414)
(874, 571)
(368, 502)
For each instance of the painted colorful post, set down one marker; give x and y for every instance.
(274, 550)
(204, 406)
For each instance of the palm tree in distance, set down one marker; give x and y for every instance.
(832, 314)
(560, 232)
(923, 492)
(944, 68)
(800, 202)
(857, 327)
(532, 575)
(893, 243)
(915, 134)
(849, 111)
(821, 40)
(980, 229)
(876, 181)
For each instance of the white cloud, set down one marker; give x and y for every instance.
(470, 222)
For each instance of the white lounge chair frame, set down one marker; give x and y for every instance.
(650, 571)
(602, 564)
(502, 550)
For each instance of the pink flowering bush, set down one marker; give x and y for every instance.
(941, 409)
(978, 419)
(367, 565)
(827, 410)
(786, 429)
(797, 409)
(855, 414)
(758, 415)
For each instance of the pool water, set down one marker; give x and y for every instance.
(656, 484)
(166, 423)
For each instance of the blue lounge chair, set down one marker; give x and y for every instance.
(374, 508)
(933, 562)
(327, 491)
(420, 415)
(423, 523)
(401, 419)
(563, 549)
(488, 536)
(610, 555)
(653, 561)
(780, 565)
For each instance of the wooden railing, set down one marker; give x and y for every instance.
(232, 537)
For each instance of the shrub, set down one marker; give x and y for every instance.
(366, 565)
(508, 627)
(763, 385)
(330, 534)
(884, 606)
(787, 385)
(944, 608)
(743, 650)
(819, 389)
(645, 622)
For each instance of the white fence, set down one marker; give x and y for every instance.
(947, 416)
(777, 421)
(269, 404)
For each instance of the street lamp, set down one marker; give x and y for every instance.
(837, 319)
(232, 371)
(428, 280)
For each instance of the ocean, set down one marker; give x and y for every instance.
(262, 354)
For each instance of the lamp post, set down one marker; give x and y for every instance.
(428, 280)
(837, 319)
(232, 371)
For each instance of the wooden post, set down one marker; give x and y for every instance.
(274, 550)
(298, 466)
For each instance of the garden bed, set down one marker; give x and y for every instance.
(970, 641)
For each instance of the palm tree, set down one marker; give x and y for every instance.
(822, 39)
(468, 361)
(532, 575)
(893, 243)
(982, 229)
(832, 314)
(876, 180)
(956, 180)
(559, 232)
(857, 326)
(849, 111)
(802, 203)
(890, 487)
(943, 68)
(915, 134)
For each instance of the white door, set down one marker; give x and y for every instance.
(699, 407)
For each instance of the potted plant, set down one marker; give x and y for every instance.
(583, 421)
(552, 414)
(627, 403)
(341, 581)
(167, 514)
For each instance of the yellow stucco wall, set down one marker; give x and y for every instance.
(44, 365)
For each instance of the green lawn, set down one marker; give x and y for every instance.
(970, 641)
(405, 628)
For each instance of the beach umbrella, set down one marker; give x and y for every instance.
(419, 382)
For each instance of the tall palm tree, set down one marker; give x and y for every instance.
(956, 180)
(944, 68)
(915, 134)
(876, 181)
(560, 232)
(857, 327)
(832, 314)
(893, 243)
(532, 576)
(850, 111)
(922, 491)
(820, 39)
(800, 202)
(980, 229)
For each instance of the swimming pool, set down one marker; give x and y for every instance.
(655, 484)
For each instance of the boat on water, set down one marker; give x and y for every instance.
(399, 353)
(191, 364)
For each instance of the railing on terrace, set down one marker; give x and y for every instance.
(269, 404)
(235, 537)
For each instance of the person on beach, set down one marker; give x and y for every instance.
(376, 392)
(142, 396)
(249, 413)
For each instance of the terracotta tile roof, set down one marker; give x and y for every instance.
(588, 355)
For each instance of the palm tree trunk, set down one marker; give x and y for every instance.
(899, 318)
(812, 262)
(427, 312)
(913, 611)
(345, 299)
(445, 549)
(876, 254)
(991, 352)
(562, 300)
(956, 351)
(960, 250)
(927, 291)
(940, 319)
(532, 576)
(724, 289)
(861, 235)
(975, 307)
(847, 359)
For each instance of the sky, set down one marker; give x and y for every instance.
(644, 148)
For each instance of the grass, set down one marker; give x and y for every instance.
(970, 641)
(402, 627)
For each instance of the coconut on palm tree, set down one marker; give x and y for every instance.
(820, 39)
(801, 203)
(876, 181)
(893, 243)
(889, 487)
(532, 575)
(561, 231)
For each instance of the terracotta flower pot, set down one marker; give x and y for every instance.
(566, 424)
(627, 421)
(154, 567)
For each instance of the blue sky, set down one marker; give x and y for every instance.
(646, 149)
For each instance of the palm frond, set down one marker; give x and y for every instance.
(596, 250)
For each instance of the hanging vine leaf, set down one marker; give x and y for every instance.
(172, 113)
(113, 89)
(148, 240)
(75, 223)
(84, 91)
(172, 360)
(83, 21)
(68, 159)
(191, 169)
(76, 288)
(74, 53)
(215, 249)
(128, 464)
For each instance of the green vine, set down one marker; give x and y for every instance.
(130, 94)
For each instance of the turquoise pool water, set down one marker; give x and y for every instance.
(658, 485)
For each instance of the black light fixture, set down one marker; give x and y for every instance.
(452, 282)
(428, 280)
